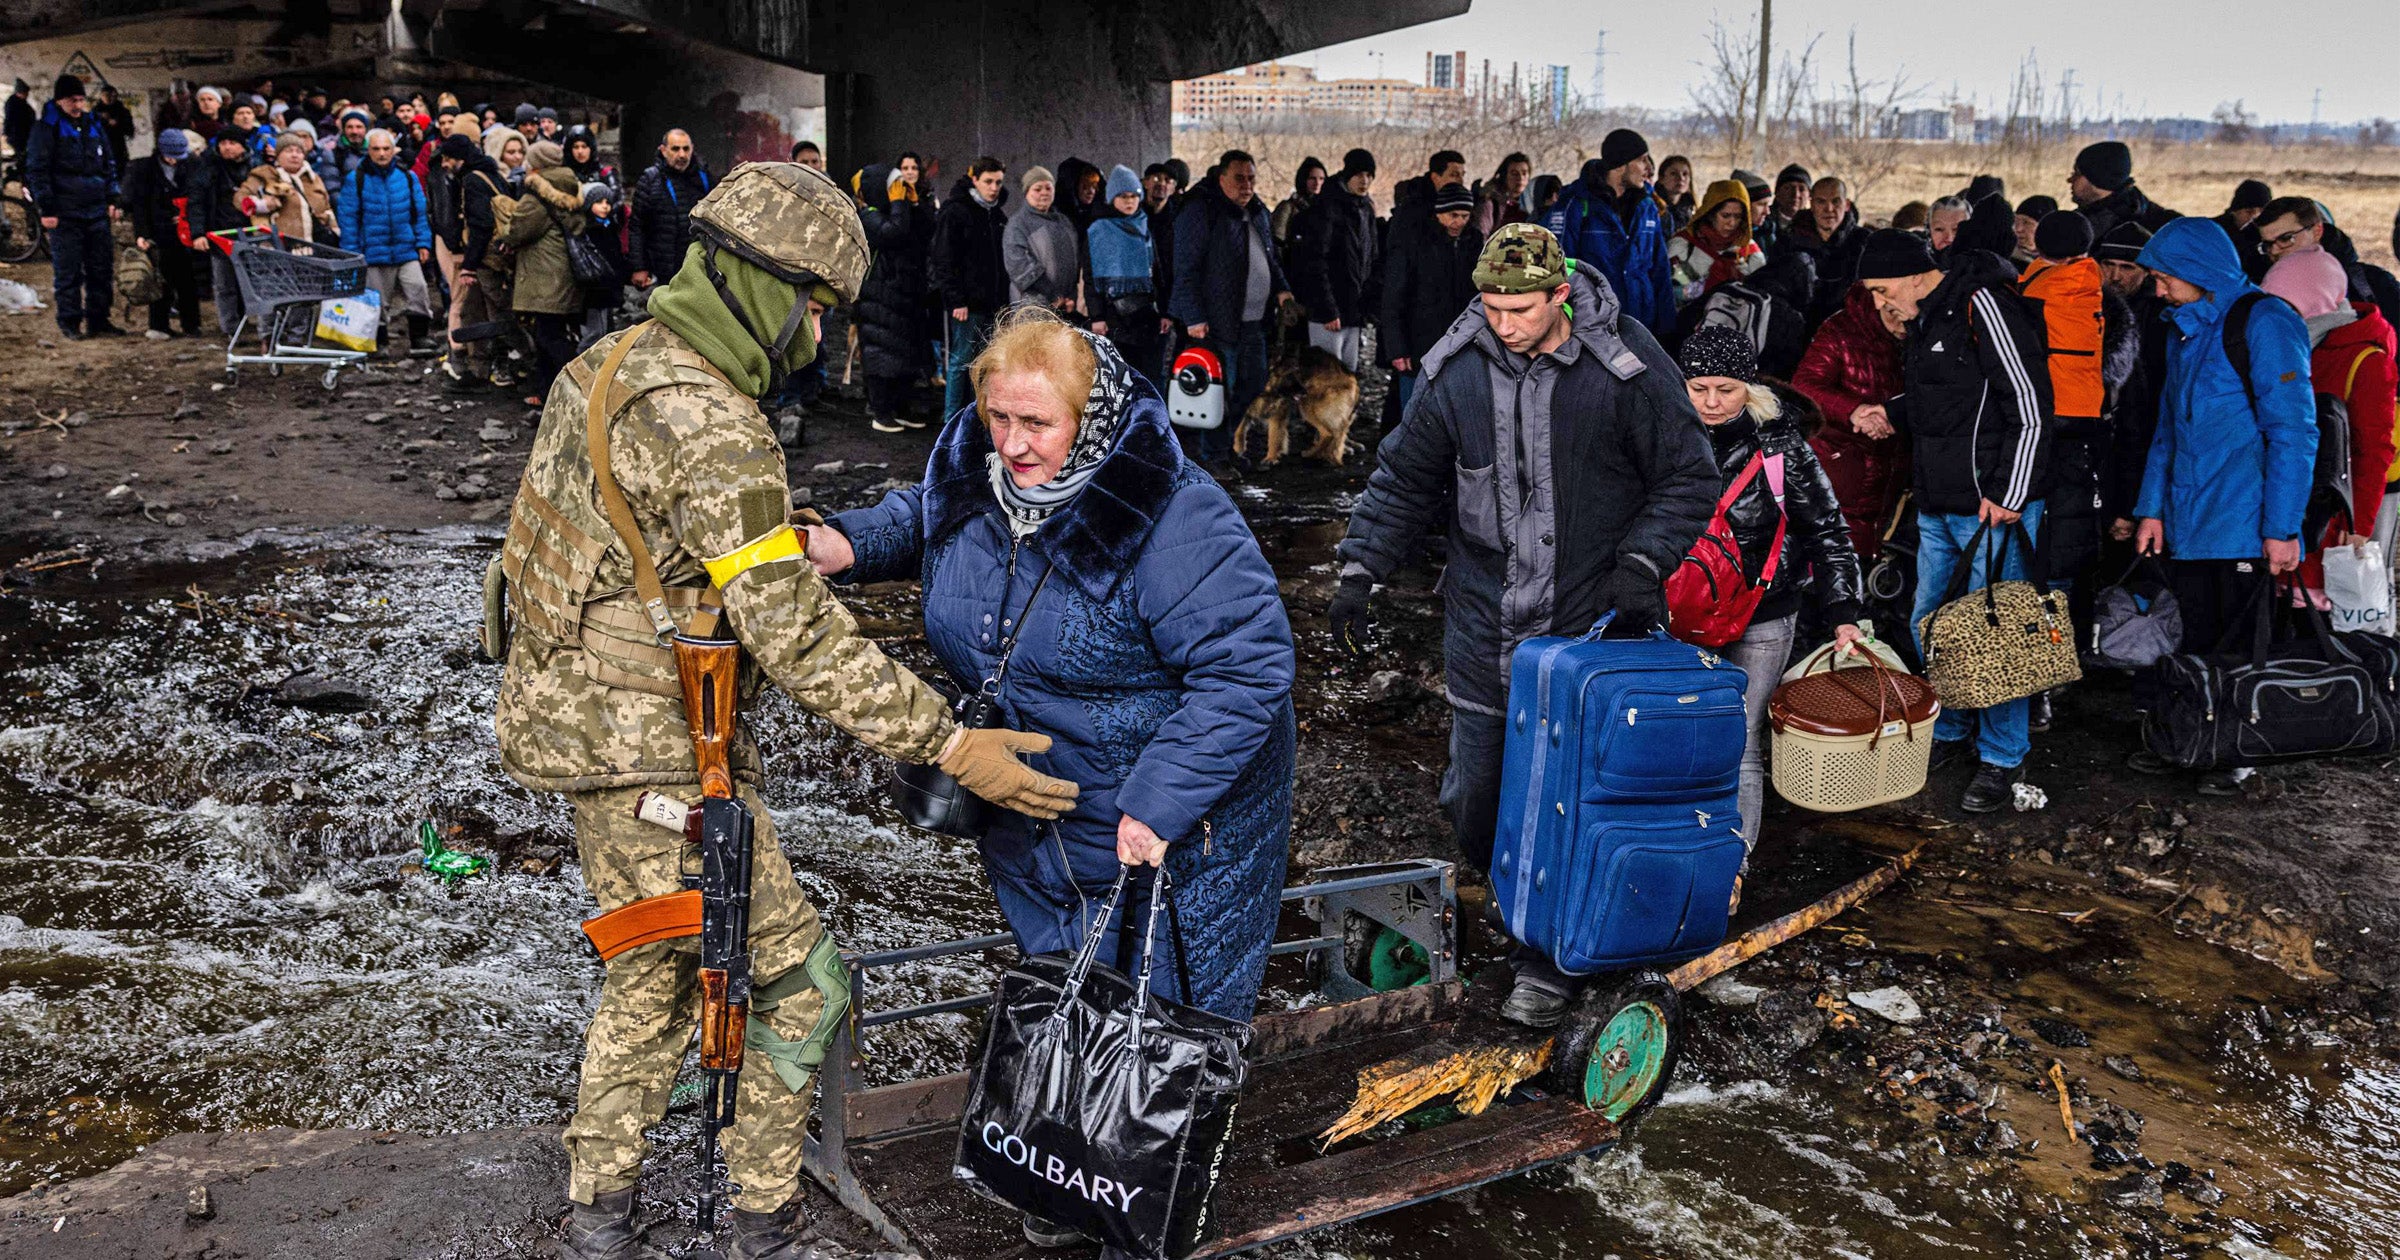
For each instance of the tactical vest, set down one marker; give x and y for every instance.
(590, 699)
(2069, 297)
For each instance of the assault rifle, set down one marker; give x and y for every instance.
(722, 827)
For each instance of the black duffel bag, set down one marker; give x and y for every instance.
(1099, 1106)
(2307, 696)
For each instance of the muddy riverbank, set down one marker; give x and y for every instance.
(215, 743)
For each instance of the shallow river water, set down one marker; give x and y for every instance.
(208, 920)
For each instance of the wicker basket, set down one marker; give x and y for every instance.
(1850, 738)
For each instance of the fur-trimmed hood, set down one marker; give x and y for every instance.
(1096, 537)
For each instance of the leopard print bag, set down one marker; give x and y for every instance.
(2003, 642)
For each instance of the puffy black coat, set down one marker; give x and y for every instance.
(2127, 204)
(1836, 263)
(69, 169)
(1428, 278)
(1334, 256)
(891, 300)
(1817, 539)
(211, 184)
(963, 264)
(1212, 258)
(1976, 404)
(662, 216)
(151, 188)
(474, 187)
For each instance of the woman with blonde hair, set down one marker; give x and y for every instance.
(1059, 527)
(1717, 246)
(1749, 421)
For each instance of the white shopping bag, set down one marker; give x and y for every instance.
(351, 322)
(2360, 588)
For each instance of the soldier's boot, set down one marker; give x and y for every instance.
(776, 1236)
(604, 1229)
(420, 337)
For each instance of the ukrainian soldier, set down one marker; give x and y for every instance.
(590, 706)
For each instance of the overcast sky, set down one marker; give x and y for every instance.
(2157, 56)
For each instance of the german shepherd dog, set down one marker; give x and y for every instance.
(1310, 386)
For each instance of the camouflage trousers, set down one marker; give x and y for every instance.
(650, 1009)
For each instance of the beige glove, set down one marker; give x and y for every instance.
(985, 763)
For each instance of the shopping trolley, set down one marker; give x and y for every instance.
(283, 280)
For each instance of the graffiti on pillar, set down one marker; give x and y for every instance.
(753, 135)
(82, 68)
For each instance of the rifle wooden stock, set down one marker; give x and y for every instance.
(707, 669)
(722, 1023)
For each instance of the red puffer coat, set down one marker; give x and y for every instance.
(1852, 363)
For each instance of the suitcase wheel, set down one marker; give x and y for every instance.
(1618, 1048)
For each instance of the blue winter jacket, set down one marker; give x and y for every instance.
(1156, 655)
(2224, 474)
(68, 166)
(1633, 258)
(383, 214)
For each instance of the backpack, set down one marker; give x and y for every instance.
(2068, 297)
(1745, 310)
(2329, 490)
(1710, 598)
(504, 212)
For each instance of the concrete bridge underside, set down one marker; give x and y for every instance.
(1024, 80)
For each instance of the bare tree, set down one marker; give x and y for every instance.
(2234, 124)
(1848, 129)
(1740, 99)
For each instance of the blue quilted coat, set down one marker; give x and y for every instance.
(383, 214)
(1156, 655)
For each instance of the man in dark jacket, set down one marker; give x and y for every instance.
(2103, 189)
(470, 179)
(965, 268)
(1228, 284)
(17, 128)
(1975, 403)
(153, 187)
(73, 180)
(209, 188)
(1832, 238)
(1558, 436)
(1428, 279)
(662, 209)
(2133, 408)
(1412, 199)
(1334, 253)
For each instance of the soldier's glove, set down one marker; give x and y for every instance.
(984, 761)
(1353, 631)
(1635, 597)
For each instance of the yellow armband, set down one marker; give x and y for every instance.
(778, 544)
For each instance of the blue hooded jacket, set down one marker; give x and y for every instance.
(1156, 654)
(383, 214)
(2225, 474)
(1632, 256)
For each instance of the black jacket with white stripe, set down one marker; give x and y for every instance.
(1976, 405)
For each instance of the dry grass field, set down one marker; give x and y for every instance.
(2360, 185)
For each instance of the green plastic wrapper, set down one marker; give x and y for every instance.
(445, 863)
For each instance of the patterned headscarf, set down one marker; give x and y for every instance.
(1095, 436)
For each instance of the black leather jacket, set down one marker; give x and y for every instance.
(1817, 540)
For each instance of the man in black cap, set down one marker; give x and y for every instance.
(528, 122)
(2133, 406)
(1609, 220)
(2102, 186)
(2240, 221)
(2028, 218)
(545, 123)
(72, 174)
(1788, 210)
(1335, 254)
(1975, 403)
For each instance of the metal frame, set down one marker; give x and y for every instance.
(275, 322)
(1417, 898)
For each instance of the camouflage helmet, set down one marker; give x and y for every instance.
(1521, 258)
(790, 220)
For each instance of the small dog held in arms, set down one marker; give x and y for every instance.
(1312, 387)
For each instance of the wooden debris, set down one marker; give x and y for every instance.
(1767, 936)
(2066, 1106)
(1477, 1076)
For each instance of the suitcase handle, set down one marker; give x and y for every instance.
(1601, 626)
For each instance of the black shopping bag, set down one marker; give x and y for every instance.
(1099, 1105)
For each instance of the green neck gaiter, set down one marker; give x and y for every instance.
(690, 305)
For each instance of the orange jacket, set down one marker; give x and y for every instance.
(2069, 293)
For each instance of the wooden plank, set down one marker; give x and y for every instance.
(1381, 1176)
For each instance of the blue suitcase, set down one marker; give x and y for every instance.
(1619, 840)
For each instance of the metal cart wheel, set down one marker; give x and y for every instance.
(274, 369)
(332, 377)
(233, 375)
(1619, 1046)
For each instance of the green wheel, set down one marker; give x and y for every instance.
(1617, 1050)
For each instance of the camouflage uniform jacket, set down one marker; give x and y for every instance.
(589, 699)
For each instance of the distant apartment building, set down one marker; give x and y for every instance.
(1276, 89)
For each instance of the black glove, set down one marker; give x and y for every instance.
(1353, 632)
(1635, 597)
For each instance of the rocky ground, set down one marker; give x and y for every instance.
(2200, 976)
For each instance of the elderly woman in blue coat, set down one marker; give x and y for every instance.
(1150, 645)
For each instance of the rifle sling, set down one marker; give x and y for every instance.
(652, 592)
